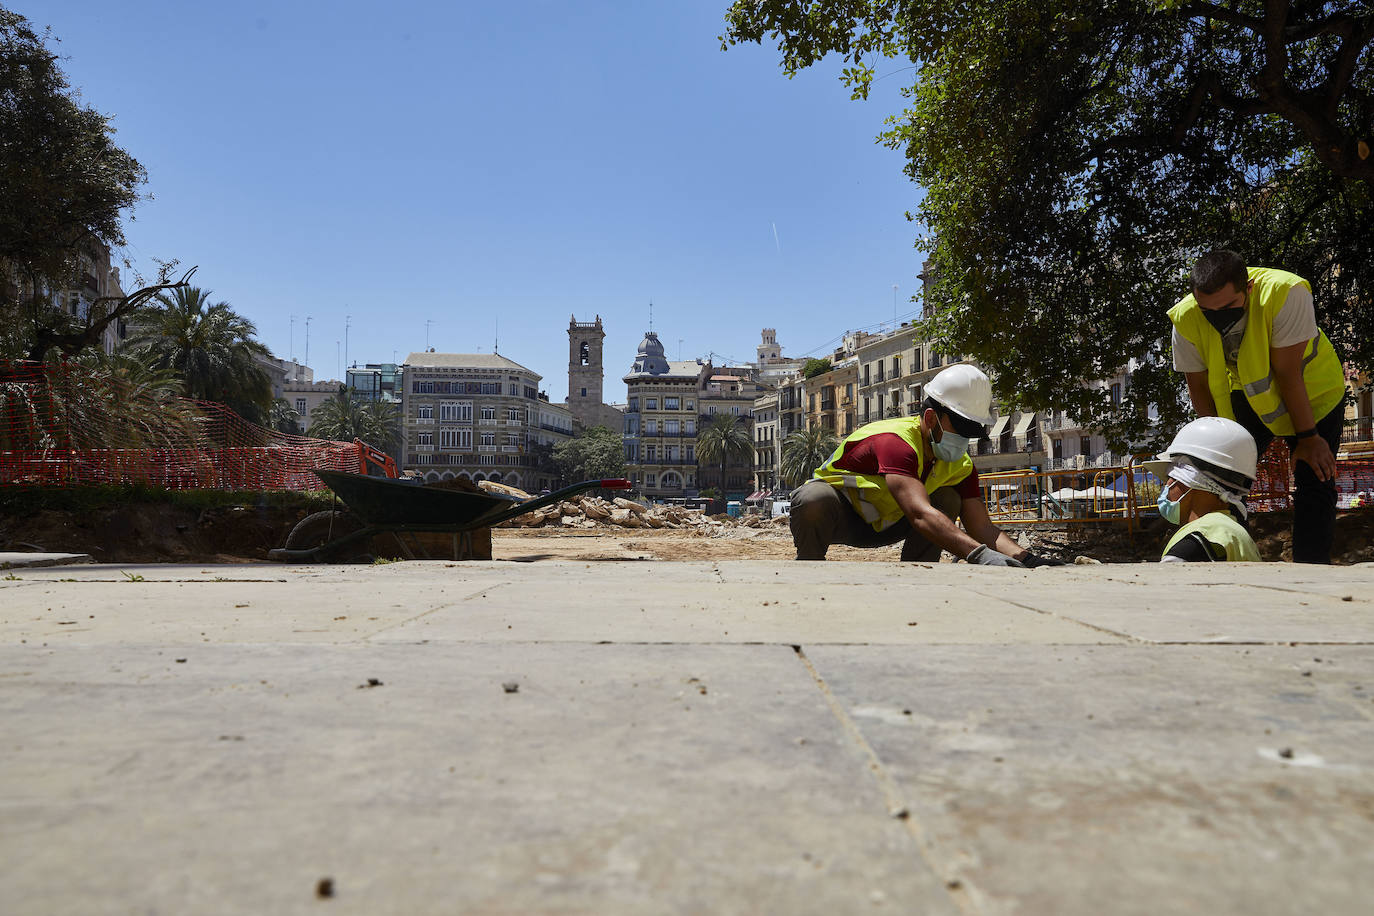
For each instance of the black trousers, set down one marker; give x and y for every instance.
(1314, 501)
(822, 515)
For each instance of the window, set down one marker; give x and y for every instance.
(670, 403)
(689, 427)
(513, 390)
(424, 387)
(867, 367)
(651, 403)
(513, 440)
(735, 410)
(916, 360)
(670, 453)
(670, 427)
(488, 414)
(691, 453)
(1116, 393)
(650, 452)
(934, 360)
(691, 405)
(513, 414)
(300, 406)
(488, 440)
(1085, 445)
(584, 392)
(650, 480)
(651, 427)
(424, 440)
(896, 366)
(448, 411)
(634, 405)
(849, 391)
(459, 440)
(423, 412)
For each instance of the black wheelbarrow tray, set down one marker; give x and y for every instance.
(385, 505)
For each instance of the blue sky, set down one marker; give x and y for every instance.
(439, 168)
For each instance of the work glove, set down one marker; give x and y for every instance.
(1032, 560)
(984, 555)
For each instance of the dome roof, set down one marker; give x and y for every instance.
(650, 358)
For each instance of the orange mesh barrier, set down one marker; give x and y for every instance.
(1273, 487)
(65, 424)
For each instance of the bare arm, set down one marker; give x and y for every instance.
(979, 526)
(1200, 394)
(928, 521)
(1287, 365)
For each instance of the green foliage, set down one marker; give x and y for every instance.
(815, 367)
(378, 423)
(1079, 155)
(597, 454)
(64, 185)
(211, 348)
(803, 451)
(283, 417)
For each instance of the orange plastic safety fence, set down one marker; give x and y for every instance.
(1273, 487)
(70, 424)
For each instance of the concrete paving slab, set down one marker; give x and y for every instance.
(689, 602)
(1128, 779)
(16, 560)
(646, 779)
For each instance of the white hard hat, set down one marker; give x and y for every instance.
(1221, 448)
(965, 390)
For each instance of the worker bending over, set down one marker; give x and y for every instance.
(908, 479)
(1248, 343)
(1207, 471)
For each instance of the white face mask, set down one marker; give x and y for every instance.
(951, 446)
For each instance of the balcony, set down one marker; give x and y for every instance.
(423, 421)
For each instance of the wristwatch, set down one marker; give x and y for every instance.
(1306, 433)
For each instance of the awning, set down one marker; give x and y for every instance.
(998, 427)
(1023, 424)
(755, 496)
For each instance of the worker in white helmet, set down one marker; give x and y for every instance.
(1207, 472)
(909, 479)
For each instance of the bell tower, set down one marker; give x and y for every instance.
(585, 373)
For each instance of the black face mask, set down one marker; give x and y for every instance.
(1222, 319)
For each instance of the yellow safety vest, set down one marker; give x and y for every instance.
(868, 493)
(1224, 531)
(1321, 368)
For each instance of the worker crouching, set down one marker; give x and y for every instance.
(909, 479)
(1207, 472)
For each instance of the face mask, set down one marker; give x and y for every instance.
(1171, 510)
(1223, 319)
(950, 448)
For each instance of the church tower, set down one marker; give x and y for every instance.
(585, 339)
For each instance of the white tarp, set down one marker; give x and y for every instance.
(1098, 493)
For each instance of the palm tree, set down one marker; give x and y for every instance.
(210, 347)
(378, 423)
(283, 417)
(723, 440)
(803, 451)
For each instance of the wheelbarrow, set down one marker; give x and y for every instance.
(382, 505)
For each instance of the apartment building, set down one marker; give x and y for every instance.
(831, 397)
(660, 421)
(729, 391)
(469, 415)
(767, 445)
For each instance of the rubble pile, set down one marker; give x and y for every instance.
(587, 512)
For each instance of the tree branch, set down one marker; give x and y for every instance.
(48, 337)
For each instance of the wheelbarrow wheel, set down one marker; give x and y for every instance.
(320, 528)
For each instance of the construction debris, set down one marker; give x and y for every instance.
(590, 512)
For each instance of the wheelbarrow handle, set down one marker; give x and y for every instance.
(615, 483)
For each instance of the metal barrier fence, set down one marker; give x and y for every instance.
(1124, 494)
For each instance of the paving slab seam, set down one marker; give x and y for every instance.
(956, 888)
(1082, 623)
(447, 603)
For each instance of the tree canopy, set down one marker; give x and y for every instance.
(378, 423)
(64, 188)
(815, 367)
(1078, 156)
(597, 454)
(803, 451)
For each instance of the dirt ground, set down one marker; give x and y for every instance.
(159, 533)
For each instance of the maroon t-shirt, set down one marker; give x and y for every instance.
(889, 453)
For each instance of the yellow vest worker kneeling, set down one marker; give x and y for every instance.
(908, 479)
(1207, 471)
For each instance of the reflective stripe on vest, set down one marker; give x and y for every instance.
(1221, 529)
(1322, 375)
(868, 493)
